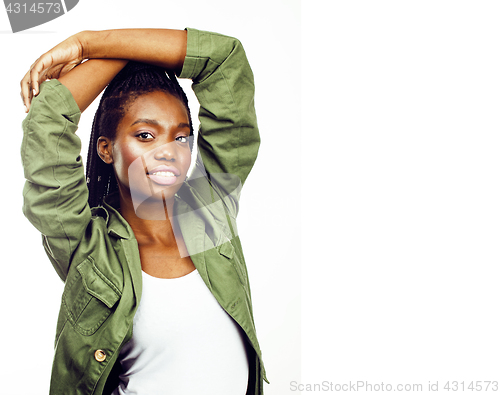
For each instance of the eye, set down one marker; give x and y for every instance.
(182, 139)
(145, 136)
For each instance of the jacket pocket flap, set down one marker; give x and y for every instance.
(227, 250)
(96, 283)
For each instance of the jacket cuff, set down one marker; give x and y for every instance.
(62, 97)
(192, 60)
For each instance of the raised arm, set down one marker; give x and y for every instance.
(162, 47)
(55, 193)
(86, 81)
(228, 139)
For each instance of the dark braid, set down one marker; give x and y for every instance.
(134, 80)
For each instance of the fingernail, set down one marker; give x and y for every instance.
(34, 92)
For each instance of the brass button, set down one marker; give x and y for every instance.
(100, 356)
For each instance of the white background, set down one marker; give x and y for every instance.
(400, 231)
(379, 168)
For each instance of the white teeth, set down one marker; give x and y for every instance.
(164, 174)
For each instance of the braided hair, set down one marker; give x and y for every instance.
(134, 80)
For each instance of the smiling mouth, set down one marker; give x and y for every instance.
(164, 178)
(163, 174)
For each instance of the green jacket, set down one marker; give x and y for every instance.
(94, 251)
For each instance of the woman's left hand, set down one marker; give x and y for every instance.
(162, 47)
(52, 64)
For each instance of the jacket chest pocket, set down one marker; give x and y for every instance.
(89, 298)
(227, 250)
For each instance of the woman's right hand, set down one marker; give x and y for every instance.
(53, 64)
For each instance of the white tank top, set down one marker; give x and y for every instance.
(183, 343)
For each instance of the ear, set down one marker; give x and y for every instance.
(105, 149)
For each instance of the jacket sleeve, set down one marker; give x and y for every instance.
(228, 138)
(55, 192)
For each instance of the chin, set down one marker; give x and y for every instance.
(150, 200)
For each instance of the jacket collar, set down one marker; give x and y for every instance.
(119, 227)
(116, 224)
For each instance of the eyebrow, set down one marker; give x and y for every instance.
(154, 122)
(183, 125)
(145, 120)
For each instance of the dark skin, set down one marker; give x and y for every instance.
(156, 142)
(153, 132)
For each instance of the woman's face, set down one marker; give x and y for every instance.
(150, 152)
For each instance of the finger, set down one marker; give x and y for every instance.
(38, 71)
(35, 75)
(26, 91)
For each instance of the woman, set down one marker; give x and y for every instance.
(156, 296)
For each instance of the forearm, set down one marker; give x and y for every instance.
(162, 47)
(87, 80)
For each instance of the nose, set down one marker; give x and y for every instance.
(166, 151)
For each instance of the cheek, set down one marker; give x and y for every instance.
(186, 159)
(127, 162)
(183, 163)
